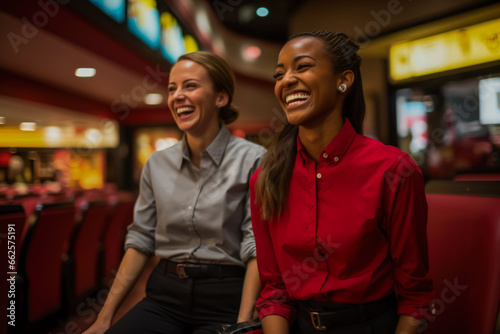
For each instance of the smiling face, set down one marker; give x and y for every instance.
(305, 82)
(192, 98)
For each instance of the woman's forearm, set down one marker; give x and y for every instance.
(275, 324)
(130, 269)
(408, 325)
(251, 291)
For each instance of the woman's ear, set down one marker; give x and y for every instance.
(222, 98)
(346, 78)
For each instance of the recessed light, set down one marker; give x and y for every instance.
(27, 126)
(85, 72)
(2, 120)
(251, 53)
(262, 11)
(153, 99)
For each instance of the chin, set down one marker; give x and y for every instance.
(294, 119)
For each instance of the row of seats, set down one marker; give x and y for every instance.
(464, 257)
(65, 249)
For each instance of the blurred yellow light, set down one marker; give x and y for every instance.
(162, 144)
(190, 44)
(27, 126)
(447, 51)
(53, 133)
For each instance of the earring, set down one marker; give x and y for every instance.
(342, 88)
(218, 106)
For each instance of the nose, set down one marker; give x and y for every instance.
(288, 79)
(177, 94)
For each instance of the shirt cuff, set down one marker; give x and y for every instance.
(139, 242)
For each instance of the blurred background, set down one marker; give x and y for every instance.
(431, 79)
(83, 104)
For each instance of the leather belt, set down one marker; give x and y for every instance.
(324, 316)
(195, 270)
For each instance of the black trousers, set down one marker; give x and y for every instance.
(176, 305)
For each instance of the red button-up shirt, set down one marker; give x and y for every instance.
(354, 230)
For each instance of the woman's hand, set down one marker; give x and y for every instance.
(99, 327)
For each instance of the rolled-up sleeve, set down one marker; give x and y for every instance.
(274, 298)
(248, 248)
(406, 213)
(141, 233)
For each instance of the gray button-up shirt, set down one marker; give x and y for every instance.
(190, 214)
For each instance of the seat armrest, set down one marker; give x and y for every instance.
(251, 327)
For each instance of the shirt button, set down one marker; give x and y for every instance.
(190, 207)
(336, 159)
(190, 229)
(197, 186)
(318, 175)
(325, 155)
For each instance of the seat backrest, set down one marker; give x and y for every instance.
(464, 255)
(85, 246)
(40, 262)
(478, 177)
(114, 235)
(12, 220)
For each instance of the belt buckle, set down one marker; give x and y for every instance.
(316, 321)
(181, 270)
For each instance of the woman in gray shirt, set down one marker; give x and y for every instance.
(193, 212)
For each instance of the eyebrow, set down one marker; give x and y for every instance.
(296, 59)
(187, 80)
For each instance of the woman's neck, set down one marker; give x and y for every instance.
(198, 143)
(316, 138)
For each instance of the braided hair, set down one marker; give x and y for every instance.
(273, 182)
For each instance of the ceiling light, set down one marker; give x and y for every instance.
(153, 99)
(2, 120)
(251, 53)
(262, 11)
(27, 126)
(85, 72)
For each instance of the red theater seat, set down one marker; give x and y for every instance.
(40, 262)
(464, 255)
(83, 256)
(478, 177)
(113, 236)
(464, 258)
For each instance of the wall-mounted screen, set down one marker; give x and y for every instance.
(113, 8)
(172, 41)
(489, 101)
(143, 20)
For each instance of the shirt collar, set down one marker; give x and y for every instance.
(215, 150)
(337, 148)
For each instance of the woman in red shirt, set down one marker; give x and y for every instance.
(339, 218)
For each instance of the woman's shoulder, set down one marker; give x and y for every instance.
(376, 148)
(245, 146)
(170, 153)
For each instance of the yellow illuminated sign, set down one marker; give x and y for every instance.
(455, 49)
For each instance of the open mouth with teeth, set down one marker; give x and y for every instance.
(296, 99)
(184, 111)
